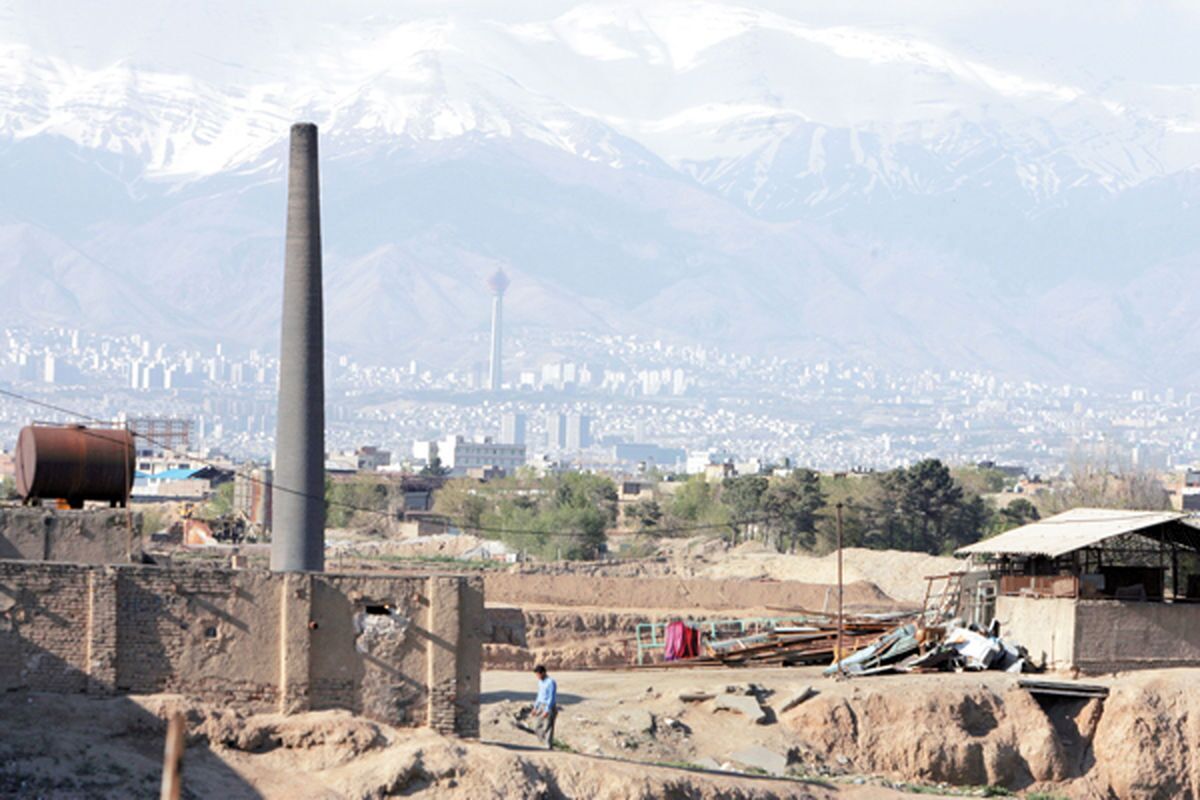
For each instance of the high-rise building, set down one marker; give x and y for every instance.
(556, 431)
(497, 284)
(579, 431)
(512, 429)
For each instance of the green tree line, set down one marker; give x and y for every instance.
(925, 507)
(560, 516)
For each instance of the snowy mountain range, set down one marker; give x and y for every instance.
(698, 171)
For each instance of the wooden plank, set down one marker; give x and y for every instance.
(172, 780)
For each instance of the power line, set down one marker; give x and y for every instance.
(362, 509)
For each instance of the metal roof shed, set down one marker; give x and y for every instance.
(1093, 589)
(1082, 528)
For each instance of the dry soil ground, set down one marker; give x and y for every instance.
(56, 746)
(967, 729)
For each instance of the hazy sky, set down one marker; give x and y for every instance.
(1079, 41)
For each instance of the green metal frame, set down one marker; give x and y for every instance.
(651, 636)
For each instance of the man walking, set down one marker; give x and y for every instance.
(545, 708)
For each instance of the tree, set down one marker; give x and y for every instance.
(694, 500)
(964, 524)
(743, 496)
(793, 503)
(220, 502)
(459, 500)
(357, 502)
(1017, 513)
(1097, 485)
(584, 490)
(646, 513)
(434, 469)
(926, 495)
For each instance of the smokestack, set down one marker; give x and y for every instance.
(497, 284)
(298, 524)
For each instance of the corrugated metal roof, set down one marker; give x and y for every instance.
(1079, 528)
(177, 474)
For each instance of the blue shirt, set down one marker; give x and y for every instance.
(547, 694)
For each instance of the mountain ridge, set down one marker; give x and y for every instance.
(681, 176)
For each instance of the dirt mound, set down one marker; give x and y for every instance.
(1140, 743)
(926, 733)
(1147, 741)
(899, 575)
(435, 767)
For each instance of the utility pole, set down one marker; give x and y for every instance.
(840, 620)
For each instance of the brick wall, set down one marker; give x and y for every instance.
(401, 649)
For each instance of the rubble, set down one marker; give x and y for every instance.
(746, 705)
(760, 758)
(797, 698)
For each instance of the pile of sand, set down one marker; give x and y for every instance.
(898, 574)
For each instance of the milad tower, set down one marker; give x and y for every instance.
(497, 284)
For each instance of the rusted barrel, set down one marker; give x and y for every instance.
(74, 464)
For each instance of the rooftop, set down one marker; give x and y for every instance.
(1081, 528)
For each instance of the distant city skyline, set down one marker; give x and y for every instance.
(591, 407)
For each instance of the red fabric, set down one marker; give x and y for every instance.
(680, 642)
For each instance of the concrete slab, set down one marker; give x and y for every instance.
(746, 705)
(758, 757)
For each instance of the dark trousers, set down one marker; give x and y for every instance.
(545, 727)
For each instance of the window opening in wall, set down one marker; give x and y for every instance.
(379, 609)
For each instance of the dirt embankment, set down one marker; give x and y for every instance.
(1141, 743)
(679, 595)
(578, 621)
(898, 574)
(563, 638)
(564, 621)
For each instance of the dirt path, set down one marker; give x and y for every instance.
(653, 716)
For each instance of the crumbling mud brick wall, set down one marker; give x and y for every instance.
(92, 536)
(405, 650)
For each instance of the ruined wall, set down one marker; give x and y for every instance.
(401, 649)
(93, 536)
(1118, 635)
(1045, 626)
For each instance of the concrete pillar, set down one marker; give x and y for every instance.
(298, 524)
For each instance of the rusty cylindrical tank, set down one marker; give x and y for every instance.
(74, 464)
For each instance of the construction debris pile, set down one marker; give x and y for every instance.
(917, 647)
(933, 639)
(811, 639)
